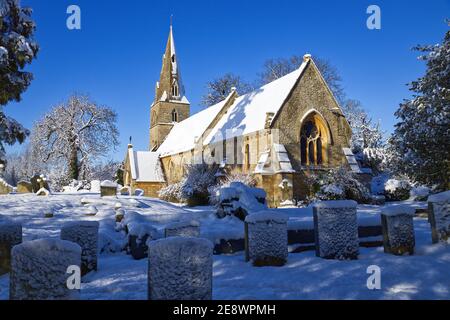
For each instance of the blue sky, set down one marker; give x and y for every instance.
(116, 56)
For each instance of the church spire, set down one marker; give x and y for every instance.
(170, 86)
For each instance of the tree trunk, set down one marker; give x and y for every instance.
(74, 170)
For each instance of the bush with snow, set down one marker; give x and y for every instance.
(338, 184)
(419, 193)
(85, 234)
(336, 229)
(397, 189)
(199, 178)
(180, 269)
(10, 235)
(38, 270)
(267, 238)
(172, 192)
(243, 178)
(240, 200)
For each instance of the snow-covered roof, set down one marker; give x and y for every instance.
(145, 166)
(184, 134)
(246, 115)
(248, 112)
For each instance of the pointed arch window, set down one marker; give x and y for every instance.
(313, 141)
(247, 156)
(174, 115)
(175, 91)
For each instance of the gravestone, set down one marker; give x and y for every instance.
(336, 229)
(398, 230)
(39, 270)
(10, 235)
(180, 268)
(85, 234)
(439, 216)
(24, 187)
(267, 238)
(108, 189)
(183, 229)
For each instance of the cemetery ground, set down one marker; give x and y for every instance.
(424, 275)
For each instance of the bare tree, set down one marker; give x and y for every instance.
(220, 88)
(75, 133)
(277, 68)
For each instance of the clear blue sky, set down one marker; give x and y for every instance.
(116, 57)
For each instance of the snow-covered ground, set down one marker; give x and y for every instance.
(425, 275)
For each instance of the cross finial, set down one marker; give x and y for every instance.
(171, 20)
(131, 138)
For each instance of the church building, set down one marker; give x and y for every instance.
(279, 133)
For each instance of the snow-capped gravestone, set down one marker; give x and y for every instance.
(125, 191)
(10, 235)
(39, 270)
(336, 229)
(139, 233)
(180, 268)
(39, 183)
(267, 238)
(85, 234)
(108, 189)
(183, 229)
(240, 200)
(439, 216)
(398, 229)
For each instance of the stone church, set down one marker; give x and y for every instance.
(279, 133)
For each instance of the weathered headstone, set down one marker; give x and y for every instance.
(180, 268)
(108, 189)
(183, 229)
(10, 235)
(267, 238)
(439, 216)
(125, 191)
(398, 230)
(85, 234)
(39, 270)
(38, 182)
(336, 229)
(24, 187)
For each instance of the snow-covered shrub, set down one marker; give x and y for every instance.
(85, 234)
(439, 216)
(336, 229)
(39, 270)
(339, 184)
(10, 235)
(240, 200)
(199, 178)
(172, 192)
(183, 229)
(243, 178)
(398, 229)
(173, 264)
(419, 193)
(377, 184)
(267, 238)
(77, 185)
(397, 189)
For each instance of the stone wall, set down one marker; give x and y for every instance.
(150, 188)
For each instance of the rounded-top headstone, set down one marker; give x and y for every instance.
(39, 270)
(180, 268)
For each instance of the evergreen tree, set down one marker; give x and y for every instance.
(421, 140)
(17, 49)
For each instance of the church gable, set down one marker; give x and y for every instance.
(311, 124)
